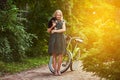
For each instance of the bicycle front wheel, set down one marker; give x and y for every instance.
(66, 61)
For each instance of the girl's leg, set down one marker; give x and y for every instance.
(59, 63)
(54, 63)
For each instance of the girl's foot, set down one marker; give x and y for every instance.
(55, 73)
(59, 73)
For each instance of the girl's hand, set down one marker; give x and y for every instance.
(54, 24)
(53, 31)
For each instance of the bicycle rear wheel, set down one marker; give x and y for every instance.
(75, 63)
(66, 61)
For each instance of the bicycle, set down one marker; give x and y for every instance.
(75, 52)
(71, 57)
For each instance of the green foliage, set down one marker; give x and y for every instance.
(101, 54)
(37, 17)
(14, 40)
(2, 67)
(28, 63)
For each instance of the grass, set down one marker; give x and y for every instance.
(27, 64)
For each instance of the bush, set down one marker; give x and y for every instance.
(103, 58)
(14, 39)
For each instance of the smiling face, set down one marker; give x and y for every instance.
(58, 15)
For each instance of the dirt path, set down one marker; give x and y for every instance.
(43, 73)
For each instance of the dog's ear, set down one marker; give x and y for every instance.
(54, 18)
(50, 23)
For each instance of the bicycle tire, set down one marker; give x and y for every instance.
(65, 63)
(75, 63)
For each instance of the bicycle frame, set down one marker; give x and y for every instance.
(74, 51)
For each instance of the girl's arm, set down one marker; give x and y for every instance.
(50, 29)
(60, 30)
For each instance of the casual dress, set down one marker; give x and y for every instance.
(57, 42)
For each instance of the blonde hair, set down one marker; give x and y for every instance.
(54, 14)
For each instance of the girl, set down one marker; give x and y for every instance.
(57, 47)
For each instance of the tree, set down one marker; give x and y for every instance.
(14, 40)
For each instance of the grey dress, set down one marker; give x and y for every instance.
(57, 41)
